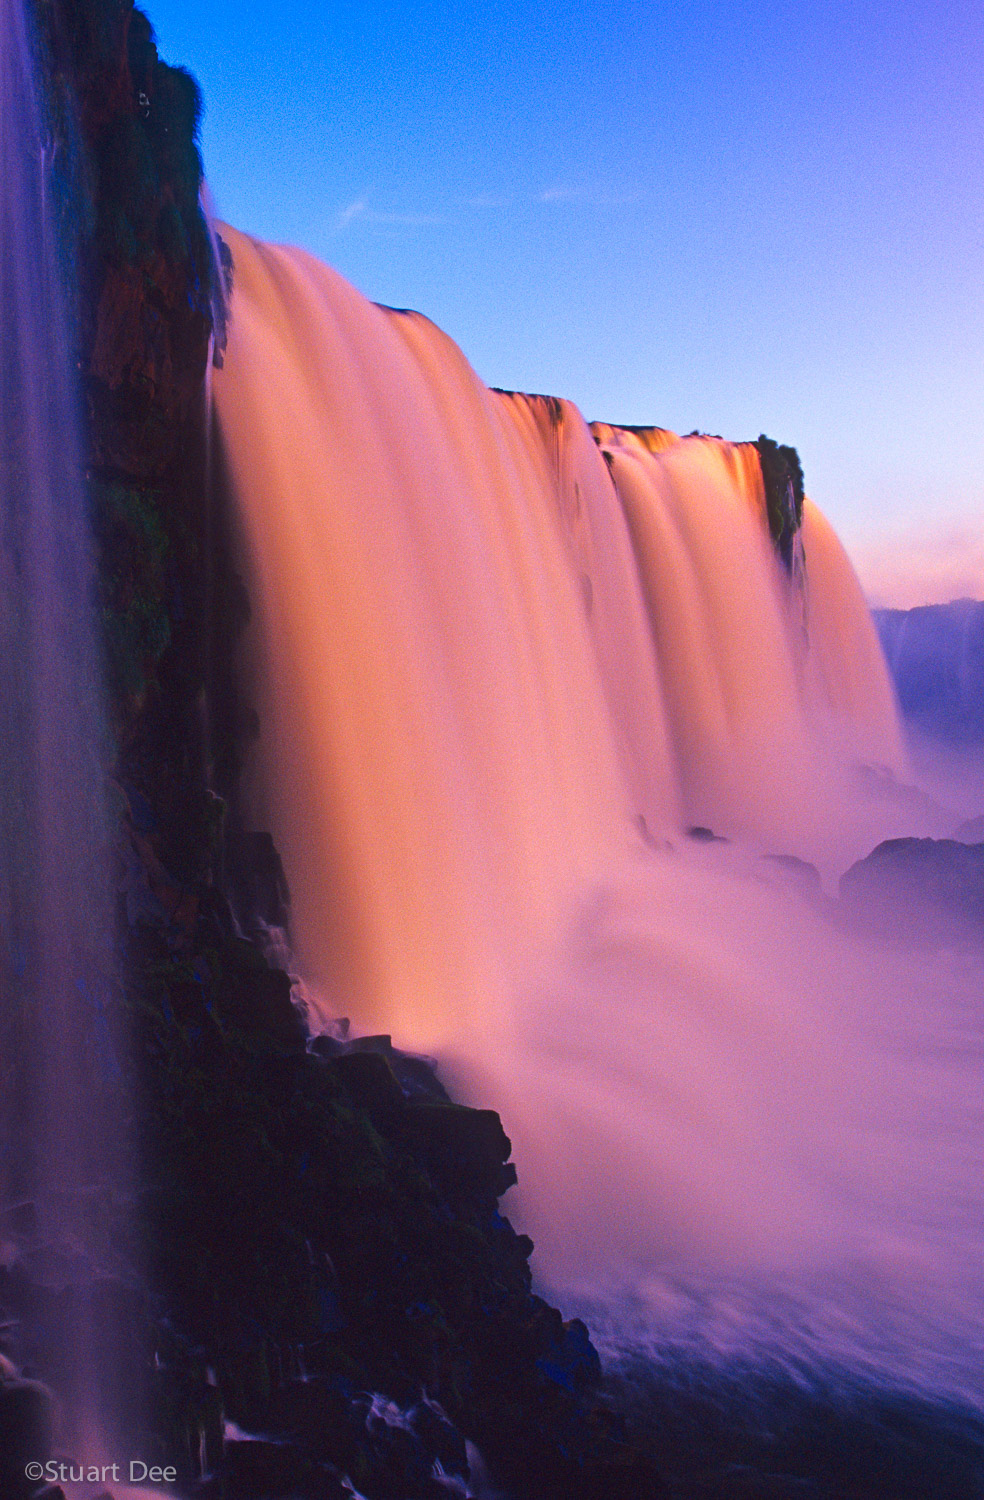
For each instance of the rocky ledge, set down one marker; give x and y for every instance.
(918, 889)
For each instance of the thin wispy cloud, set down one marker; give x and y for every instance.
(361, 212)
(560, 194)
(411, 219)
(592, 196)
(348, 215)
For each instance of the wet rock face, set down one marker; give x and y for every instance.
(702, 835)
(797, 874)
(918, 889)
(130, 169)
(124, 129)
(782, 477)
(325, 1225)
(342, 1293)
(26, 1413)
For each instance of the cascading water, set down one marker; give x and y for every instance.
(771, 696)
(501, 664)
(62, 1125)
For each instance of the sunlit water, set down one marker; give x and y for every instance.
(502, 663)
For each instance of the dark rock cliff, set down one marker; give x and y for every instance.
(782, 476)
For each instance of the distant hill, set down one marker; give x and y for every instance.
(936, 656)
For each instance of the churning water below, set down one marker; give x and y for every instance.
(775, 1168)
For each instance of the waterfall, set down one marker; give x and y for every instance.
(771, 694)
(491, 672)
(502, 662)
(62, 1119)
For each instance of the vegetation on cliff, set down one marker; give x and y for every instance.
(782, 475)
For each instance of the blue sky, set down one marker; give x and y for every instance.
(741, 217)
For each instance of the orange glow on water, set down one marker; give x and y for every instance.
(443, 755)
(764, 716)
(503, 662)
